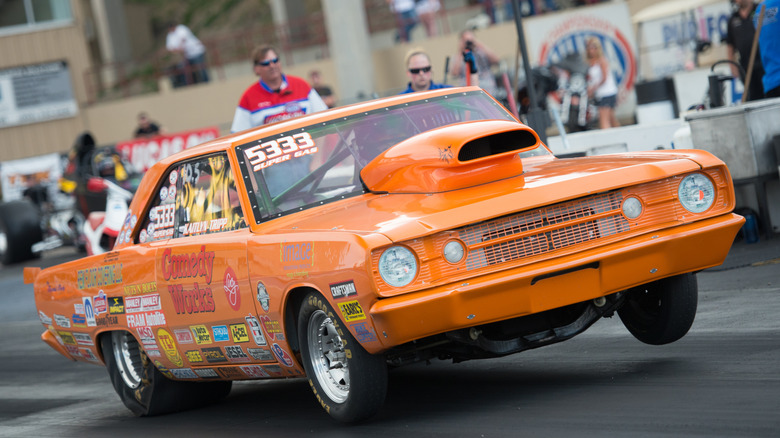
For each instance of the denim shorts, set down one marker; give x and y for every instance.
(607, 101)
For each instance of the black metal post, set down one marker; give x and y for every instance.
(537, 118)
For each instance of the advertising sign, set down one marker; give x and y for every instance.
(17, 175)
(668, 42)
(553, 36)
(36, 93)
(142, 153)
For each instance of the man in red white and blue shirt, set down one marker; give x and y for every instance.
(275, 96)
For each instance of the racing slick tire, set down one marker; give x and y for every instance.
(661, 312)
(349, 383)
(20, 228)
(143, 388)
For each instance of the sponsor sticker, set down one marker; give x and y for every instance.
(255, 371)
(193, 356)
(168, 345)
(282, 355)
(239, 333)
(235, 353)
(213, 355)
(257, 332)
(183, 336)
(206, 373)
(220, 333)
(260, 354)
(343, 289)
(232, 291)
(62, 321)
(116, 305)
(352, 311)
(363, 332)
(201, 333)
(183, 373)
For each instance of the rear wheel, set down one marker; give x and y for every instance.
(662, 311)
(20, 228)
(350, 383)
(143, 388)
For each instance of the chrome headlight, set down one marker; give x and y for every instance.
(696, 193)
(397, 266)
(632, 207)
(454, 251)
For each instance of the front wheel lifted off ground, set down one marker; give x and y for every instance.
(350, 383)
(661, 312)
(143, 388)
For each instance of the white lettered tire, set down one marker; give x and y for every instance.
(349, 383)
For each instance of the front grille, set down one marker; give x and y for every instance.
(543, 230)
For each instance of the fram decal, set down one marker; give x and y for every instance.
(352, 311)
(150, 319)
(192, 265)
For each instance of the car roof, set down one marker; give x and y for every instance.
(231, 140)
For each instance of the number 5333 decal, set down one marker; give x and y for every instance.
(275, 151)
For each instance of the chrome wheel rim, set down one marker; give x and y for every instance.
(328, 357)
(127, 354)
(3, 243)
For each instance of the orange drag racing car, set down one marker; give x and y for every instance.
(337, 245)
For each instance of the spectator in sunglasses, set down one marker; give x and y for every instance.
(420, 72)
(275, 96)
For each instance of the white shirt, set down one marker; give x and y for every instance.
(182, 39)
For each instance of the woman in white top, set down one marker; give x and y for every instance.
(601, 83)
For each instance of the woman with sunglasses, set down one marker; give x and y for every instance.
(419, 70)
(275, 96)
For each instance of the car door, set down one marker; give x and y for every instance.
(201, 270)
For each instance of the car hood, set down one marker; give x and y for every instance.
(545, 180)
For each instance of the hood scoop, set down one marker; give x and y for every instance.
(451, 158)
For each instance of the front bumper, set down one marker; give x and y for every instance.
(555, 283)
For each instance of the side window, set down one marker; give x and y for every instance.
(206, 198)
(196, 197)
(158, 224)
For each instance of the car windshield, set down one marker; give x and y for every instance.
(321, 163)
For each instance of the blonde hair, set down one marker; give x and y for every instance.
(596, 43)
(414, 52)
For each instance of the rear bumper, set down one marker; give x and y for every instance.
(555, 283)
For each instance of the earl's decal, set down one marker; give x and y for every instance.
(352, 311)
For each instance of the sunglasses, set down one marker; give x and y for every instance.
(268, 62)
(415, 71)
